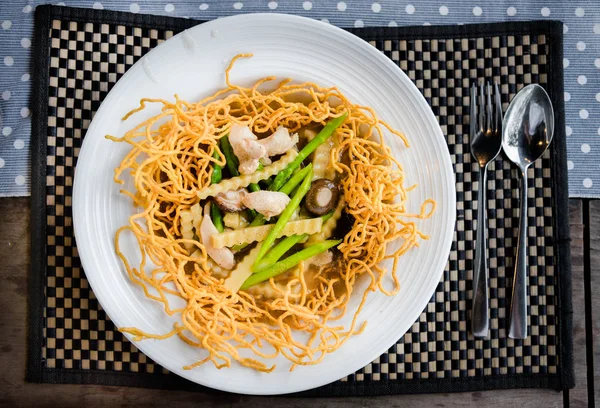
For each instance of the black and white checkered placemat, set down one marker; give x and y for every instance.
(82, 53)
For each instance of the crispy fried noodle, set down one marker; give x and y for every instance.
(173, 156)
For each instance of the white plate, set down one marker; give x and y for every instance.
(192, 65)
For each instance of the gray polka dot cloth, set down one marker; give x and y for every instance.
(581, 62)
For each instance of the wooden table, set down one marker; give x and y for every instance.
(14, 266)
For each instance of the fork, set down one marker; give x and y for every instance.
(486, 142)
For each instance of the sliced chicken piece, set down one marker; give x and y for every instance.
(248, 167)
(246, 148)
(268, 203)
(222, 256)
(321, 259)
(279, 142)
(231, 201)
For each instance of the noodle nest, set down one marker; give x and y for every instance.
(171, 159)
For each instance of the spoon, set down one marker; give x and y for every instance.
(528, 128)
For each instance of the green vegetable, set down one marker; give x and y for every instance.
(217, 217)
(285, 215)
(323, 135)
(217, 173)
(254, 186)
(287, 189)
(215, 212)
(283, 246)
(295, 180)
(279, 250)
(289, 262)
(327, 216)
(266, 183)
(232, 161)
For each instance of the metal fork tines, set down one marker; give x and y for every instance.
(486, 142)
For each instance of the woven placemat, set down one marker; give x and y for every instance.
(80, 55)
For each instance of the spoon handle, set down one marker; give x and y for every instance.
(480, 315)
(518, 312)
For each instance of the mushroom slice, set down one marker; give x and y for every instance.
(279, 142)
(231, 201)
(268, 203)
(322, 196)
(222, 256)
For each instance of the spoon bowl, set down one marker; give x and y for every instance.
(527, 131)
(528, 125)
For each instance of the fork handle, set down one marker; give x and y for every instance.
(480, 315)
(518, 310)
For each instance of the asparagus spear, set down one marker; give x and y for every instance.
(286, 215)
(289, 262)
(323, 135)
(215, 212)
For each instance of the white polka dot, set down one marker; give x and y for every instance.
(134, 8)
(307, 5)
(579, 12)
(599, 131)
(25, 112)
(511, 11)
(9, 61)
(6, 95)
(545, 11)
(570, 165)
(61, 4)
(444, 11)
(359, 24)
(19, 144)
(6, 24)
(1, 162)
(582, 79)
(585, 148)
(392, 24)
(341, 6)
(597, 28)
(204, 6)
(169, 8)
(6, 131)
(584, 114)
(426, 23)
(376, 7)
(477, 11)
(410, 9)
(567, 97)
(598, 96)
(98, 6)
(27, 9)
(325, 20)
(587, 182)
(238, 5)
(19, 180)
(272, 5)
(565, 28)
(568, 130)
(25, 77)
(25, 42)
(597, 62)
(581, 46)
(565, 63)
